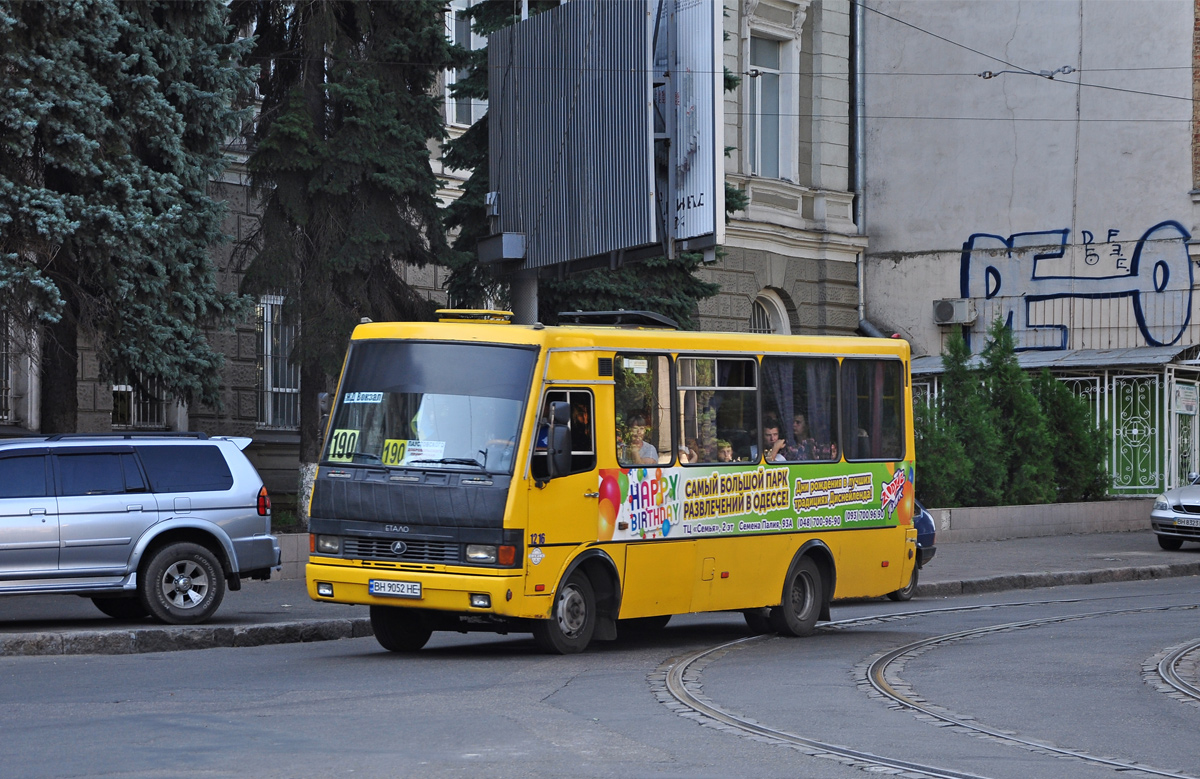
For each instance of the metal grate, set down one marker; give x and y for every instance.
(139, 405)
(605, 367)
(278, 376)
(6, 360)
(415, 551)
(760, 319)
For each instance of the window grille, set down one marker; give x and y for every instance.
(139, 405)
(278, 376)
(6, 370)
(760, 319)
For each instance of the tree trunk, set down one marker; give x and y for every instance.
(59, 367)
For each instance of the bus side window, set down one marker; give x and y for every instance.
(642, 409)
(873, 409)
(801, 393)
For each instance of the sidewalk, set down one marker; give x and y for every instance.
(280, 611)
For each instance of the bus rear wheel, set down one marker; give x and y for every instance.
(572, 619)
(906, 592)
(758, 620)
(797, 612)
(399, 630)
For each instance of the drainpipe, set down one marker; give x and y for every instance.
(858, 144)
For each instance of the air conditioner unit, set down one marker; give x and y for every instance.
(955, 311)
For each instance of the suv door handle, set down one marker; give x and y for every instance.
(133, 508)
(37, 511)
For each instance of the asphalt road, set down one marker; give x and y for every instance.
(492, 706)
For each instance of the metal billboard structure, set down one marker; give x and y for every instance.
(606, 140)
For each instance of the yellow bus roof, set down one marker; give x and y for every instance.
(626, 338)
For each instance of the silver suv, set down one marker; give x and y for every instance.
(143, 524)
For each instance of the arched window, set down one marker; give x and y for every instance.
(769, 314)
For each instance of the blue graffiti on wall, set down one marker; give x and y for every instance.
(1009, 275)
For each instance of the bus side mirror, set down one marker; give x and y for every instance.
(558, 442)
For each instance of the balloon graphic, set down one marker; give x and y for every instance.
(623, 483)
(666, 527)
(610, 491)
(608, 516)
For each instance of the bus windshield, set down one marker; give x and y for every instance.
(409, 404)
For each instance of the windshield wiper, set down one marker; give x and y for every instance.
(450, 461)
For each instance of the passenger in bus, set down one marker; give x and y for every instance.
(724, 451)
(638, 451)
(807, 447)
(772, 443)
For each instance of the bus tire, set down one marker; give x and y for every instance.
(572, 618)
(797, 612)
(759, 621)
(906, 592)
(398, 629)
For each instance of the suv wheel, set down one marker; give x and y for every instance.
(183, 584)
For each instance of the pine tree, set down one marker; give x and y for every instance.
(113, 122)
(973, 421)
(1078, 447)
(342, 169)
(1026, 453)
(943, 468)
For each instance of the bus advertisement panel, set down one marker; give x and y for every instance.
(673, 502)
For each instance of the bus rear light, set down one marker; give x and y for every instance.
(507, 555)
(264, 503)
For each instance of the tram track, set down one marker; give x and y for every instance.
(679, 686)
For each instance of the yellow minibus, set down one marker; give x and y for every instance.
(578, 480)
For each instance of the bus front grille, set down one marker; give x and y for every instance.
(412, 551)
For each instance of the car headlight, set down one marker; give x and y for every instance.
(1161, 504)
(481, 553)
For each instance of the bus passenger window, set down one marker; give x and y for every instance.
(641, 413)
(873, 409)
(718, 415)
(800, 393)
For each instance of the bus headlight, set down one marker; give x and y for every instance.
(481, 553)
(329, 544)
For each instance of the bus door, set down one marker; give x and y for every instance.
(562, 510)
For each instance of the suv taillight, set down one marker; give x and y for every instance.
(264, 503)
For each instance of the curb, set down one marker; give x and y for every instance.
(169, 638)
(1027, 581)
(173, 638)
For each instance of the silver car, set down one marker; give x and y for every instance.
(156, 525)
(1175, 517)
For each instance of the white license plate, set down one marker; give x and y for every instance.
(395, 589)
(1187, 521)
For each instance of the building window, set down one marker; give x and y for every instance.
(6, 371)
(764, 105)
(461, 111)
(769, 314)
(139, 404)
(278, 376)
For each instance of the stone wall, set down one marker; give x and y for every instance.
(1055, 519)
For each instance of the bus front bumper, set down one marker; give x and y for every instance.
(447, 591)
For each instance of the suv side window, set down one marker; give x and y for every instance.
(23, 477)
(91, 474)
(186, 468)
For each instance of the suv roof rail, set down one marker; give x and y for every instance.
(618, 318)
(137, 434)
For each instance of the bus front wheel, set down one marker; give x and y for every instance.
(399, 630)
(572, 620)
(797, 612)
